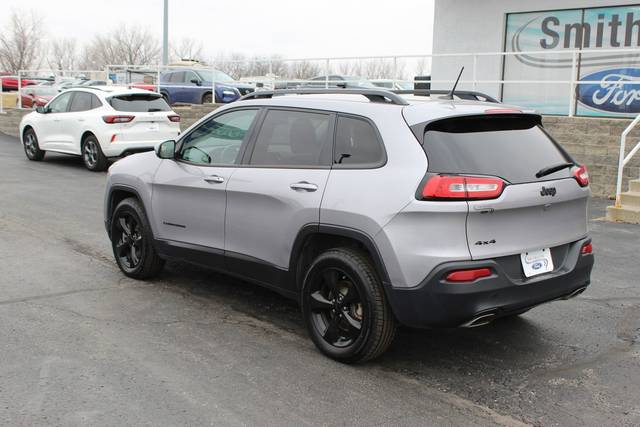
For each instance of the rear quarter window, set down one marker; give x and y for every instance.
(139, 103)
(514, 148)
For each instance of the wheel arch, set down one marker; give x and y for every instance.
(25, 128)
(315, 238)
(118, 193)
(85, 135)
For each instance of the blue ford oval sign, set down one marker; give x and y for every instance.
(615, 93)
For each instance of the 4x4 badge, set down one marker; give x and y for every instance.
(551, 191)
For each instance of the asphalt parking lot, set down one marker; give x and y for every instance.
(80, 344)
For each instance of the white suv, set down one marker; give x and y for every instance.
(99, 123)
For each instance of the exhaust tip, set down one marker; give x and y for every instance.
(481, 320)
(575, 293)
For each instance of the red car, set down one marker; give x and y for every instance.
(146, 86)
(11, 82)
(36, 96)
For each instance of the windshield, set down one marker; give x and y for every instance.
(214, 76)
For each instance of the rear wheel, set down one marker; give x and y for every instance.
(345, 308)
(207, 98)
(31, 148)
(132, 241)
(92, 155)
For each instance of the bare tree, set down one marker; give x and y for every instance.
(234, 64)
(62, 54)
(303, 69)
(187, 48)
(21, 42)
(124, 45)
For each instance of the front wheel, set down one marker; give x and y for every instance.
(132, 241)
(345, 308)
(31, 147)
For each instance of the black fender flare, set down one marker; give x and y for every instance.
(363, 238)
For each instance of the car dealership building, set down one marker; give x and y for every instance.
(561, 57)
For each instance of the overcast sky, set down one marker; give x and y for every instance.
(301, 28)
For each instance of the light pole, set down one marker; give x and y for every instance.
(165, 34)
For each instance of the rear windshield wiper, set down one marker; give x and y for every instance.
(552, 169)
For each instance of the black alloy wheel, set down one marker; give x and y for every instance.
(345, 308)
(132, 241)
(336, 308)
(129, 241)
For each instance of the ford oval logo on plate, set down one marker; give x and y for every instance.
(536, 266)
(615, 93)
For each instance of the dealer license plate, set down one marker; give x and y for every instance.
(536, 262)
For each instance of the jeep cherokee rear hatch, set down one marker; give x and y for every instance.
(524, 192)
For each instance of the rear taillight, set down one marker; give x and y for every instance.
(174, 117)
(117, 119)
(581, 175)
(455, 187)
(468, 275)
(586, 249)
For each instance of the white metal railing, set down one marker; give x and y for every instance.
(623, 160)
(403, 68)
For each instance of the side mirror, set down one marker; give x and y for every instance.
(40, 109)
(166, 150)
(196, 81)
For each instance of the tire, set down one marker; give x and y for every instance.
(92, 155)
(166, 98)
(31, 147)
(132, 241)
(345, 308)
(207, 98)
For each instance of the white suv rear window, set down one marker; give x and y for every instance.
(139, 103)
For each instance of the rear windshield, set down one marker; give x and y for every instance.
(510, 147)
(139, 103)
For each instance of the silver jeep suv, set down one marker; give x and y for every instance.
(369, 208)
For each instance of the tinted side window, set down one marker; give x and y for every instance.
(357, 144)
(218, 140)
(177, 77)
(293, 138)
(61, 103)
(81, 102)
(190, 75)
(95, 102)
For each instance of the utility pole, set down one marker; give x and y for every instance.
(165, 34)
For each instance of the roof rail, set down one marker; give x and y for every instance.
(462, 94)
(374, 95)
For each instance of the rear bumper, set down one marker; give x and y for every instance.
(121, 149)
(439, 303)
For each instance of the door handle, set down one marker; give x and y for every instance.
(214, 179)
(303, 186)
(81, 120)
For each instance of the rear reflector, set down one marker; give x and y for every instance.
(174, 118)
(455, 187)
(468, 275)
(587, 249)
(113, 137)
(581, 175)
(117, 119)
